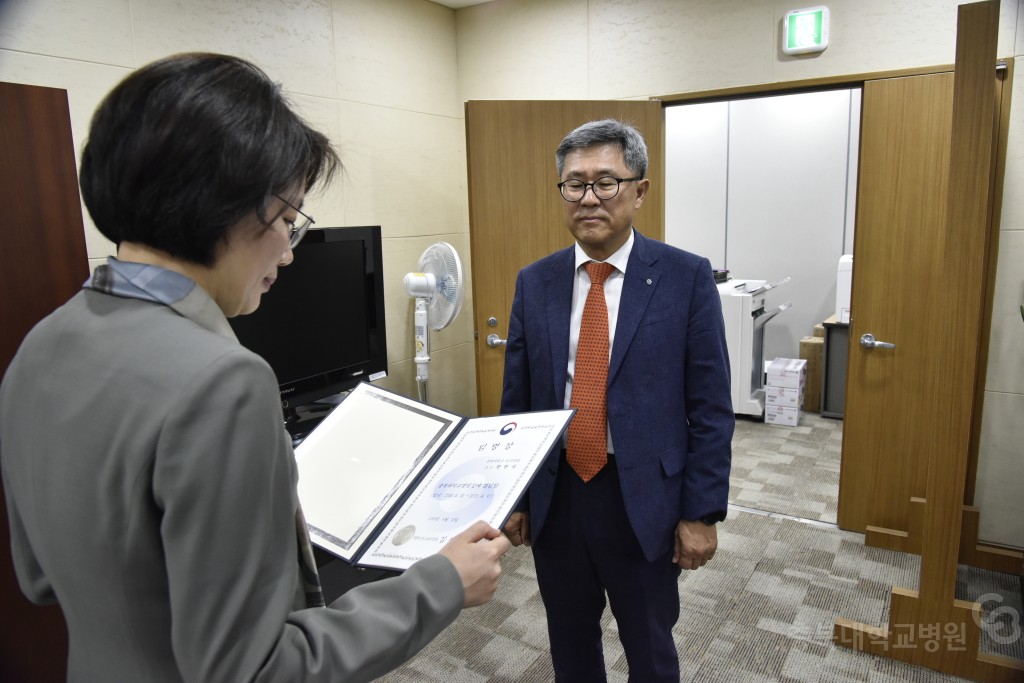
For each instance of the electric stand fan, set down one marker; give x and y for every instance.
(437, 286)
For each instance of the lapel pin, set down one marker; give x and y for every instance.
(648, 280)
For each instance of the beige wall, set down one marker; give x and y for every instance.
(377, 76)
(386, 80)
(583, 49)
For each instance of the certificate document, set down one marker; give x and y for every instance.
(385, 480)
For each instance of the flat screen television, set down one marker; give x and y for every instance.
(321, 326)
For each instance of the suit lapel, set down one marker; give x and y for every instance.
(637, 289)
(558, 283)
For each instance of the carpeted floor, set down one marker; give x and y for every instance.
(763, 610)
(789, 470)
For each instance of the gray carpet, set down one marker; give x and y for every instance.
(763, 610)
(789, 470)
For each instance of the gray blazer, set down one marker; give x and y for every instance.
(151, 492)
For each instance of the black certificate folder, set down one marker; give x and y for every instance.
(385, 480)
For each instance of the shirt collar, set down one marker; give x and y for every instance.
(618, 260)
(148, 282)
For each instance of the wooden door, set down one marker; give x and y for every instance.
(44, 245)
(901, 215)
(515, 209)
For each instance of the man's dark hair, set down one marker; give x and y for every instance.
(187, 146)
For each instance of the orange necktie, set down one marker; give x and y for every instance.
(587, 448)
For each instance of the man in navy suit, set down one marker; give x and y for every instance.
(650, 510)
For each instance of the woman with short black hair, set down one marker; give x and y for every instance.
(187, 147)
(149, 480)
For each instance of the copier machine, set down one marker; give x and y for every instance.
(743, 306)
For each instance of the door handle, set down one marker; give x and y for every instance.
(868, 342)
(494, 341)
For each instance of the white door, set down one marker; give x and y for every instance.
(765, 188)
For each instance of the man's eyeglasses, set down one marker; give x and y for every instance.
(297, 228)
(604, 187)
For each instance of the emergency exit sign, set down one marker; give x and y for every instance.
(805, 30)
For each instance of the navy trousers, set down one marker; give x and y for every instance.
(587, 549)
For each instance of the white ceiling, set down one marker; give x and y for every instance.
(456, 4)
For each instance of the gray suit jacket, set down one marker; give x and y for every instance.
(151, 492)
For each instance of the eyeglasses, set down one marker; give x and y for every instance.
(296, 229)
(604, 187)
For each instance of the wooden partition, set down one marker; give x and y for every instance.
(929, 626)
(902, 214)
(43, 247)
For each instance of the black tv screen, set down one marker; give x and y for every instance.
(321, 326)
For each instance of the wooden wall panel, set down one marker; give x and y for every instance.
(44, 263)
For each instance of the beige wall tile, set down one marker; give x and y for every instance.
(664, 46)
(873, 35)
(1009, 27)
(290, 39)
(405, 171)
(523, 49)
(1018, 46)
(401, 256)
(95, 31)
(878, 35)
(451, 384)
(1006, 342)
(1012, 217)
(86, 84)
(396, 53)
(326, 202)
(401, 378)
(507, 49)
(1001, 470)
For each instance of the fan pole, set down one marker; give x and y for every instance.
(422, 332)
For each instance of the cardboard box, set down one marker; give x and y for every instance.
(783, 396)
(782, 415)
(819, 331)
(787, 372)
(812, 350)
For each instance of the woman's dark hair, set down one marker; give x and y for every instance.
(184, 148)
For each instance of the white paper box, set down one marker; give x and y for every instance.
(787, 372)
(844, 282)
(787, 397)
(781, 415)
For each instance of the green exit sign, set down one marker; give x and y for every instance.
(805, 30)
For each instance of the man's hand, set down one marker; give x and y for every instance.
(476, 554)
(517, 528)
(696, 543)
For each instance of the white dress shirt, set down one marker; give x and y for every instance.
(612, 296)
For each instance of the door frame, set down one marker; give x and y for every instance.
(1002, 130)
(656, 228)
(526, 224)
